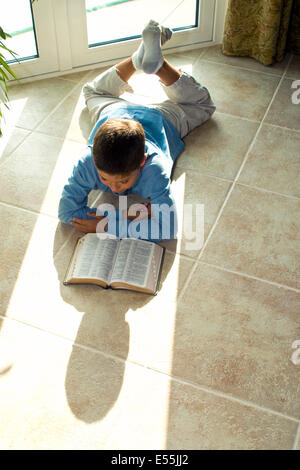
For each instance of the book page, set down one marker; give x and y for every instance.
(96, 258)
(133, 262)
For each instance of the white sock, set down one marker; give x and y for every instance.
(153, 37)
(148, 57)
(137, 57)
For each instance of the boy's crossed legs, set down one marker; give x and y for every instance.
(189, 104)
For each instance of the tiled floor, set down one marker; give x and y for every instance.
(209, 362)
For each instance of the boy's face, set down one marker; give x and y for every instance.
(122, 182)
(119, 183)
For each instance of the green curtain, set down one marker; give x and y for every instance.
(262, 29)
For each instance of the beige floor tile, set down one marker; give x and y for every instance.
(71, 119)
(198, 200)
(120, 323)
(235, 335)
(15, 234)
(112, 388)
(32, 102)
(92, 74)
(213, 423)
(57, 396)
(147, 86)
(246, 93)
(274, 161)
(258, 234)
(10, 140)
(293, 70)
(218, 147)
(214, 54)
(34, 175)
(283, 111)
(20, 230)
(194, 420)
(75, 76)
(75, 398)
(34, 288)
(129, 325)
(185, 60)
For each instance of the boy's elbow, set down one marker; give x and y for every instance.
(64, 219)
(63, 215)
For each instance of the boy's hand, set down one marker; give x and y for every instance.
(145, 212)
(87, 225)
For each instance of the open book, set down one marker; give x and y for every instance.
(120, 264)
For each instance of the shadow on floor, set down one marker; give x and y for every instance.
(96, 366)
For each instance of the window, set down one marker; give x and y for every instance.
(53, 36)
(17, 20)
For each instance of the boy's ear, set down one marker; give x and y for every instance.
(144, 161)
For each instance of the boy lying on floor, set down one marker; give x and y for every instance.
(132, 148)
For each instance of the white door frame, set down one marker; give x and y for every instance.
(47, 61)
(83, 55)
(56, 41)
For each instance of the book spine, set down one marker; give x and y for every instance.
(69, 273)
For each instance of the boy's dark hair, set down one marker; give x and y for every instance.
(119, 146)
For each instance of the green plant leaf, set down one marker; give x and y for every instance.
(5, 71)
(3, 34)
(3, 93)
(3, 46)
(7, 68)
(5, 77)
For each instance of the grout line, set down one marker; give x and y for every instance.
(7, 157)
(233, 185)
(174, 378)
(282, 127)
(243, 118)
(64, 139)
(227, 180)
(297, 438)
(240, 401)
(256, 121)
(57, 105)
(261, 124)
(38, 214)
(63, 246)
(201, 172)
(264, 190)
(275, 75)
(30, 131)
(191, 274)
(30, 211)
(250, 276)
(66, 75)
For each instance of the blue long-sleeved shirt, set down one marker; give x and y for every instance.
(163, 146)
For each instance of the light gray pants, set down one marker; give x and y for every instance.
(189, 104)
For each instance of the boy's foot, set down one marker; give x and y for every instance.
(149, 57)
(154, 36)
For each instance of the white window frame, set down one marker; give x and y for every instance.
(62, 49)
(47, 60)
(83, 55)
